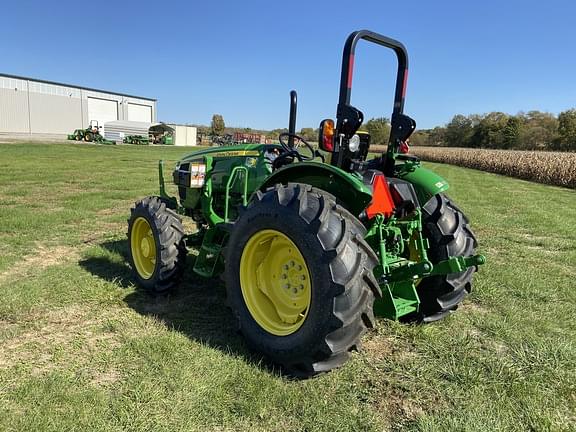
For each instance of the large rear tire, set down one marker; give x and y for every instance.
(157, 252)
(449, 234)
(311, 327)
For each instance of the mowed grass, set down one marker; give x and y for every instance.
(81, 348)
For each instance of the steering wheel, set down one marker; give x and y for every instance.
(291, 153)
(294, 150)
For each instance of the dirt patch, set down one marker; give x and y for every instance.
(33, 195)
(106, 379)
(42, 257)
(111, 211)
(64, 337)
(542, 250)
(77, 338)
(102, 230)
(534, 238)
(474, 307)
(383, 347)
(8, 330)
(378, 347)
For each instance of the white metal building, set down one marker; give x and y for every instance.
(30, 106)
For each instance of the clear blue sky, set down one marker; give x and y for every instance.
(241, 58)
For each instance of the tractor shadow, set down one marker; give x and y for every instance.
(196, 308)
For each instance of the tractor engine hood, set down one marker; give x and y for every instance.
(253, 150)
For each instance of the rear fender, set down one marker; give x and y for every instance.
(426, 183)
(348, 188)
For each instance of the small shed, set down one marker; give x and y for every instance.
(184, 135)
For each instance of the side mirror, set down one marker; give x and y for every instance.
(326, 135)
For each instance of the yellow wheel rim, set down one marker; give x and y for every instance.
(143, 246)
(275, 282)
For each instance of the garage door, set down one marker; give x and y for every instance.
(103, 110)
(141, 113)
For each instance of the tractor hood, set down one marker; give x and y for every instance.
(230, 151)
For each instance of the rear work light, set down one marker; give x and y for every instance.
(197, 175)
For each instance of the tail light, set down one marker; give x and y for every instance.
(326, 135)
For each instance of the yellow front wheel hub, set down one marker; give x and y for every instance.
(143, 247)
(275, 282)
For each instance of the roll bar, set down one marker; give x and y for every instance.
(348, 68)
(292, 121)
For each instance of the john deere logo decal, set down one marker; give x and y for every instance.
(236, 153)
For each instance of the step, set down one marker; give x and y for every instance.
(214, 249)
(405, 306)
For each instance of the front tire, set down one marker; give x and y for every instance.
(156, 251)
(307, 327)
(449, 234)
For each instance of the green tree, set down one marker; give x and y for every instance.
(379, 130)
(276, 132)
(217, 125)
(539, 130)
(308, 134)
(437, 136)
(567, 130)
(420, 138)
(459, 131)
(511, 133)
(489, 132)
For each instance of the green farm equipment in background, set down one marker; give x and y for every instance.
(162, 139)
(312, 243)
(136, 139)
(222, 140)
(90, 134)
(166, 139)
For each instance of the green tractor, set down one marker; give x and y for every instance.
(136, 139)
(90, 134)
(166, 139)
(312, 244)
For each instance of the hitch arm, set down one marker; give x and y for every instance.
(457, 264)
(426, 268)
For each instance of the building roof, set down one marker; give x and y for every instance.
(74, 86)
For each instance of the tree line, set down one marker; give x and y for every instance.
(532, 130)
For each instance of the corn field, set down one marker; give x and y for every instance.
(554, 168)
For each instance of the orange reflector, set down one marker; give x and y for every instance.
(381, 198)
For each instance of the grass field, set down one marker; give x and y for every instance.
(82, 349)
